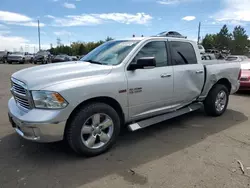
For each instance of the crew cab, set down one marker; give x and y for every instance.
(134, 83)
(18, 57)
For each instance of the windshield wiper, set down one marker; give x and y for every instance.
(94, 62)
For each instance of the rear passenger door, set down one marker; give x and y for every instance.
(188, 73)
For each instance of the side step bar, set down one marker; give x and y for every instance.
(157, 119)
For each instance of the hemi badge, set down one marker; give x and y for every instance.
(123, 91)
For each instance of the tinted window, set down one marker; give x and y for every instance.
(154, 49)
(183, 53)
(231, 58)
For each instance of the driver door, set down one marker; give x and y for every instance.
(150, 91)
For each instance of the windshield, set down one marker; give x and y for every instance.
(243, 57)
(60, 56)
(42, 53)
(18, 53)
(231, 58)
(110, 53)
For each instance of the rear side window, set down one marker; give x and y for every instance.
(231, 58)
(182, 53)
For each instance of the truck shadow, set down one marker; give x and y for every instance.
(243, 93)
(55, 164)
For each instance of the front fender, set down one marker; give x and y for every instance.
(78, 91)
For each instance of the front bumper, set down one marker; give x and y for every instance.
(36, 125)
(16, 60)
(39, 60)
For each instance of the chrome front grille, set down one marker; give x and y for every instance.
(20, 93)
(18, 89)
(23, 102)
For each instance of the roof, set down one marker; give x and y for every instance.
(155, 37)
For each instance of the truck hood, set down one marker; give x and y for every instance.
(43, 76)
(15, 55)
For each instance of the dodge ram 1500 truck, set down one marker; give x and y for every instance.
(134, 82)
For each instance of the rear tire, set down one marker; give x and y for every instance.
(79, 140)
(216, 102)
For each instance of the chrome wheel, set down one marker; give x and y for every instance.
(97, 131)
(221, 101)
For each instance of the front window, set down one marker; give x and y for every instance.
(60, 56)
(42, 53)
(2, 53)
(110, 53)
(18, 53)
(156, 49)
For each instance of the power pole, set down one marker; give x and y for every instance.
(39, 34)
(58, 41)
(199, 33)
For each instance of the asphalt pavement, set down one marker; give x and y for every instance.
(193, 150)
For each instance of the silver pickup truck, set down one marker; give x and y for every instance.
(134, 82)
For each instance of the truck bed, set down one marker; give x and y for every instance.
(212, 62)
(216, 70)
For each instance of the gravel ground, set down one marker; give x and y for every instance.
(190, 151)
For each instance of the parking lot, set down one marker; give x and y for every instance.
(190, 151)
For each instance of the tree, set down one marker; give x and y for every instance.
(82, 50)
(223, 39)
(108, 39)
(209, 42)
(240, 41)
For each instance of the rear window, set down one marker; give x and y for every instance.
(200, 47)
(182, 53)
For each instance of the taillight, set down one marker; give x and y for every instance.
(239, 76)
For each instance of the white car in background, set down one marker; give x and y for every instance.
(237, 58)
(29, 57)
(18, 57)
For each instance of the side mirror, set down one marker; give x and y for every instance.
(143, 63)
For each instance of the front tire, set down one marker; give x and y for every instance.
(94, 129)
(216, 102)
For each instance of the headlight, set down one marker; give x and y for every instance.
(48, 99)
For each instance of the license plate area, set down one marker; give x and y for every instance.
(15, 122)
(12, 122)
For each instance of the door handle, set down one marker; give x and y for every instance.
(199, 72)
(165, 75)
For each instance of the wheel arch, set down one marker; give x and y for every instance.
(107, 100)
(225, 82)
